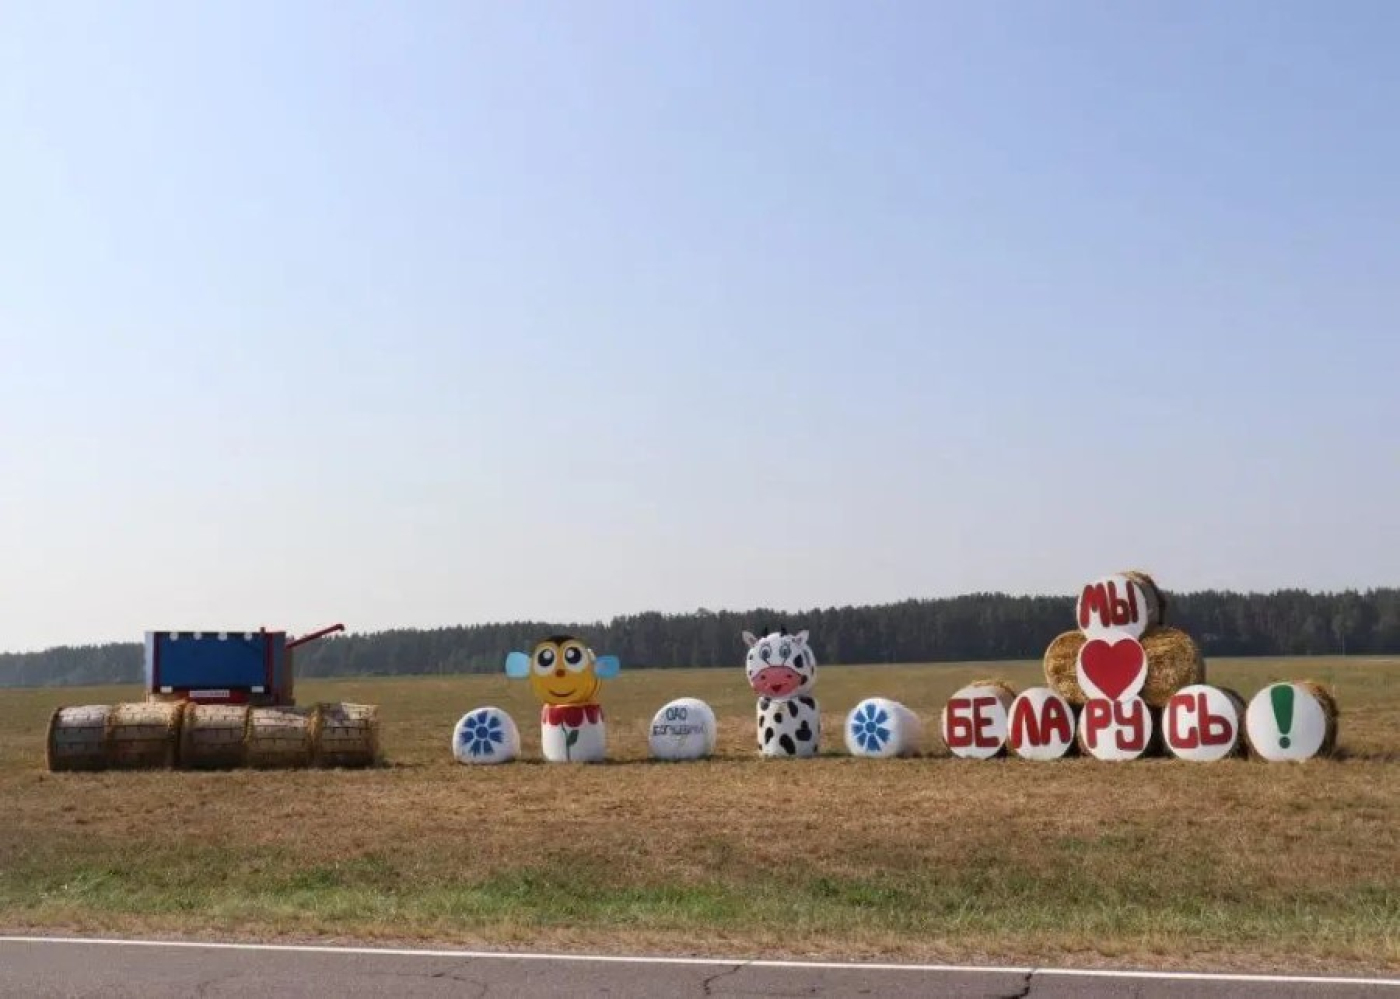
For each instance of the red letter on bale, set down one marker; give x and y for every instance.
(981, 722)
(1124, 611)
(1130, 717)
(1098, 713)
(1216, 730)
(1094, 600)
(959, 734)
(1184, 704)
(1026, 728)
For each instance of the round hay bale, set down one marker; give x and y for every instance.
(880, 728)
(573, 733)
(156, 697)
(1117, 731)
(485, 735)
(976, 718)
(1292, 722)
(77, 738)
(1042, 725)
(1203, 724)
(1174, 661)
(345, 735)
(683, 729)
(1332, 712)
(212, 736)
(278, 737)
(1061, 666)
(997, 684)
(1156, 599)
(143, 735)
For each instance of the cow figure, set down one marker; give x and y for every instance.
(781, 669)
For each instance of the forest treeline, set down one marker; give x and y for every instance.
(982, 626)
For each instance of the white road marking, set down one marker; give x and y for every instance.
(1190, 976)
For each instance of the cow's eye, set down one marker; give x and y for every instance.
(765, 652)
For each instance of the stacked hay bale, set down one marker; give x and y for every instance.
(1125, 608)
(1174, 659)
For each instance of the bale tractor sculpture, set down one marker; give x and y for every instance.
(216, 700)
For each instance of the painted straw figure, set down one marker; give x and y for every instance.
(564, 674)
(782, 669)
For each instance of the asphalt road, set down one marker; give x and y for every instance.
(34, 968)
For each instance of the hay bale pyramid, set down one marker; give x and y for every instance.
(1138, 687)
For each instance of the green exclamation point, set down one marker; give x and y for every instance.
(1282, 697)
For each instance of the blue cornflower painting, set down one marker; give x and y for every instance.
(481, 733)
(869, 726)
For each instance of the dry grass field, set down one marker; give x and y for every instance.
(1236, 865)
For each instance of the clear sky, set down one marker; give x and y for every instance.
(434, 313)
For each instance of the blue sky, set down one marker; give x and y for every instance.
(434, 313)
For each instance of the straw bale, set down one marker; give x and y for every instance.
(1329, 710)
(213, 736)
(278, 737)
(1061, 661)
(1156, 599)
(1174, 661)
(1000, 686)
(143, 735)
(77, 738)
(345, 735)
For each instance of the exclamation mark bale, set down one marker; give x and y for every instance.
(1282, 697)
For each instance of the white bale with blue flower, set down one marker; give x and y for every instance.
(485, 735)
(880, 728)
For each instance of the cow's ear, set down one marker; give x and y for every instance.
(801, 636)
(750, 639)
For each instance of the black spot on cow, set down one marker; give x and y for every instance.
(768, 736)
(763, 703)
(797, 663)
(810, 702)
(804, 732)
(792, 709)
(786, 743)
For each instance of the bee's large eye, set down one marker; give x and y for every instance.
(785, 651)
(765, 652)
(573, 657)
(544, 659)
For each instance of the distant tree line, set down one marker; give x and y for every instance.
(982, 626)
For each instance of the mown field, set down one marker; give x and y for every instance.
(1234, 865)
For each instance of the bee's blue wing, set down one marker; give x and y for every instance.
(518, 665)
(606, 666)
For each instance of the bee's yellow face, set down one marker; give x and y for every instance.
(563, 673)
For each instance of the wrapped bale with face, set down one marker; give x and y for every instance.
(782, 670)
(565, 675)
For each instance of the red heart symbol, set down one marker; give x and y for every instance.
(1113, 668)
